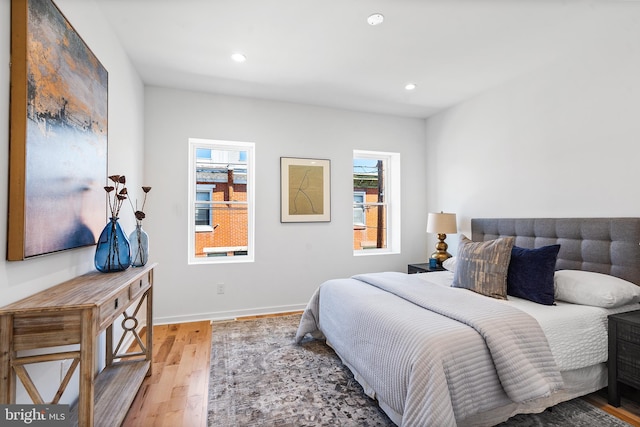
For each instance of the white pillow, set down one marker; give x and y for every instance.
(596, 289)
(450, 264)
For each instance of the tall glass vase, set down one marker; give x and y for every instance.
(112, 250)
(139, 240)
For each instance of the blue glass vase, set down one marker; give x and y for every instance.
(112, 251)
(139, 241)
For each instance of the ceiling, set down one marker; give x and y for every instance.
(323, 52)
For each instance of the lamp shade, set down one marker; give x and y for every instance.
(442, 223)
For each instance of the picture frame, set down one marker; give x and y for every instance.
(58, 135)
(305, 190)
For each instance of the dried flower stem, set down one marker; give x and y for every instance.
(139, 214)
(119, 194)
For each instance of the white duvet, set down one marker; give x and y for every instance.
(577, 334)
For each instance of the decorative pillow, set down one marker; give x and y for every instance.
(597, 289)
(450, 263)
(530, 274)
(482, 266)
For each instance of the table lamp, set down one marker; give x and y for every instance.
(441, 223)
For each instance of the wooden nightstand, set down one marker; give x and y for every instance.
(624, 353)
(422, 268)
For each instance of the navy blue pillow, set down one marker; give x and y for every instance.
(530, 274)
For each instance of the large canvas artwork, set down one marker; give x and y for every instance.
(58, 147)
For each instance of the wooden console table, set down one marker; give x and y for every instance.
(76, 312)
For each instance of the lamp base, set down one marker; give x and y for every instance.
(440, 257)
(441, 254)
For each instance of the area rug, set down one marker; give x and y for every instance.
(259, 377)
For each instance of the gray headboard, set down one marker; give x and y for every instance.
(603, 245)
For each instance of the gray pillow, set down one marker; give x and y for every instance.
(482, 266)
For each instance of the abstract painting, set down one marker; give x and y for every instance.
(58, 141)
(305, 190)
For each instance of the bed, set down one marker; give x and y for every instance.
(433, 354)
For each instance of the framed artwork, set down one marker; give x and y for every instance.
(58, 135)
(305, 190)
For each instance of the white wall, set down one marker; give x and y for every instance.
(126, 133)
(291, 259)
(562, 141)
(19, 279)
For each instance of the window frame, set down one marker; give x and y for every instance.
(192, 228)
(359, 205)
(202, 189)
(392, 201)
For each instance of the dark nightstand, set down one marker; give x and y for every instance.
(422, 268)
(624, 353)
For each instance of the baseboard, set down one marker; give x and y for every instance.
(228, 315)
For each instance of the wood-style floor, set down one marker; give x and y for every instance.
(629, 411)
(175, 395)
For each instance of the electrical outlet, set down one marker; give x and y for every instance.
(220, 288)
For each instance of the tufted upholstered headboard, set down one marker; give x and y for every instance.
(603, 245)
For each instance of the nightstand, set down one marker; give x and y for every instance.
(422, 268)
(624, 353)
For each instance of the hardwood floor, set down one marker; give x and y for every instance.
(175, 395)
(629, 411)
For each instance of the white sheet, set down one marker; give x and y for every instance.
(577, 334)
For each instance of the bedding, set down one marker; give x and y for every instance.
(531, 272)
(438, 367)
(450, 263)
(576, 333)
(427, 364)
(482, 266)
(596, 289)
(434, 368)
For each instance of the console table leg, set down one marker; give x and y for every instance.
(150, 327)
(88, 347)
(7, 377)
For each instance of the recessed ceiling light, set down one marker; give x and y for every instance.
(375, 19)
(238, 57)
(410, 86)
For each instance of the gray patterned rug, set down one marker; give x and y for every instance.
(260, 378)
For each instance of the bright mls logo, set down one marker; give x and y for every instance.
(34, 415)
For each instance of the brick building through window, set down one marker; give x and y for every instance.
(221, 208)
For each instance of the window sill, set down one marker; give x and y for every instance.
(367, 252)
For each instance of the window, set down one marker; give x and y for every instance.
(358, 209)
(204, 220)
(221, 201)
(376, 202)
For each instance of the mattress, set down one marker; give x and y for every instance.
(577, 334)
